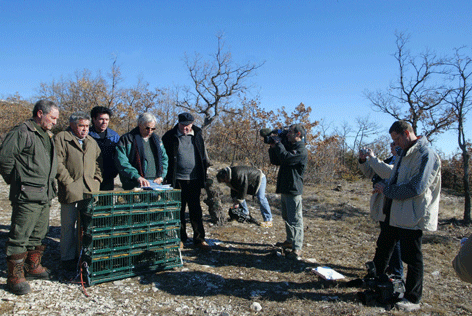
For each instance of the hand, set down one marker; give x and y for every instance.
(158, 180)
(365, 152)
(235, 205)
(379, 187)
(370, 153)
(143, 182)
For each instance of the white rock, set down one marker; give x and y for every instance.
(255, 306)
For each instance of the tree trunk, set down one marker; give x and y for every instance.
(213, 201)
(465, 163)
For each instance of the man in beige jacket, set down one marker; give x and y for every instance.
(78, 171)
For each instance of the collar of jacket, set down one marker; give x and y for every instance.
(195, 129)
(94, 132)
(228, 171)
(31, 125)
(420, 142)
(69, 136)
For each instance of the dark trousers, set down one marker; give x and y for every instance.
(395, 265)
(190, 195)
(410, 244)
(108, 184)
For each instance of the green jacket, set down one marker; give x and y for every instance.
(79, 169)
(131, 161)
(26, 165)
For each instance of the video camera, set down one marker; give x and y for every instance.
(272, 136)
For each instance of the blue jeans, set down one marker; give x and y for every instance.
(264, 204)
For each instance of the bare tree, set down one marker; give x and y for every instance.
(365, 130)
(80, 92)
(461, 102)
(215, 83)
(419, 94)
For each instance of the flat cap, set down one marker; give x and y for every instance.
(186, 118)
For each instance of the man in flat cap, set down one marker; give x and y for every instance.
(187, 170)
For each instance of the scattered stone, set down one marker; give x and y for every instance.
(255, 306)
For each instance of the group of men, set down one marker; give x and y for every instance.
(87, 157)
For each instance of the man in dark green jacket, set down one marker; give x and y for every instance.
(140, 155)
(292, 161)
(28, 163)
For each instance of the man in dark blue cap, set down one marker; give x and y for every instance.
(187, 170)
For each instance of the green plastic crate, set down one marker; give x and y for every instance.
(129, 200)
(129, 233)
(119, 265)
(130, 238)
(118, 219)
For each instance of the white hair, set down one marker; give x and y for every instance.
(146, 118)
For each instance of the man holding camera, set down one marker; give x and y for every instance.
(378, 171)
(411, 203)
(292, 160)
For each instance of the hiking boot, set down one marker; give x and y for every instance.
(407, 306)
(203, 246)
(16, 281)
(267, 224)
(34, 269)
(285, 244)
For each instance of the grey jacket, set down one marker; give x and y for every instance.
(416, 191)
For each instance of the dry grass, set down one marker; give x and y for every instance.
(245, 267)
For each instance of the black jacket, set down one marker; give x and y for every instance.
(292, 162)
(171, 144)
(244, 180)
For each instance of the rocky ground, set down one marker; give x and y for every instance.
(246, 275)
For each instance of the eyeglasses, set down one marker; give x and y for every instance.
(151, 128)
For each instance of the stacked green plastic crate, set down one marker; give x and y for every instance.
(129, 233)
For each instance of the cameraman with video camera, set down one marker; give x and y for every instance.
(292, 159)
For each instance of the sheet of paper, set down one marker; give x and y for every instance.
(328, 274)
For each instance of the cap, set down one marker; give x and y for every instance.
(186, 118)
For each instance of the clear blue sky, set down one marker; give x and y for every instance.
(321, 53)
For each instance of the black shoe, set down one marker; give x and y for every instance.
(294, 255)
(203, 246)
(285, 244)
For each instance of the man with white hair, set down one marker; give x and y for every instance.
(140, 155)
